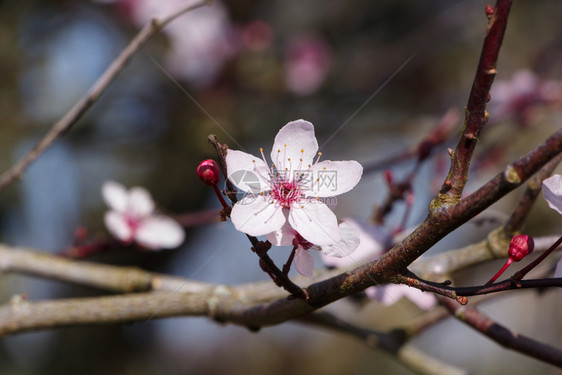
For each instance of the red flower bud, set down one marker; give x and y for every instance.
(209, 172)
(388, 176)
(520, 246)
(489, 10)
(425, 148)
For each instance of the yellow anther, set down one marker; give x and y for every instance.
(319, 154)
(302, 151)
(261, 149)
(285, 145)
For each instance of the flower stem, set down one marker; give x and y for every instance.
(219, 195)
(502, 270)
(287, 266)
(278, 276)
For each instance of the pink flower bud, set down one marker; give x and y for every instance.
(209, 172)
(425, 148)
(389, 177)
(520, 246)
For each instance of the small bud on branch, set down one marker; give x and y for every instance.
(519, 247)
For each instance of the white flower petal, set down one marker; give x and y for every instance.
(117, 225)
(283, 236)
(331, 178)
(304, 262)
(246, 172)
(552, 191)
(157, 232)
(256, 216)
(115, 195)
(391, 293)
(424, 300)
(315, 222)
(558, 270)
(372, 241)
(347, 245)
(140, 202)
(298, 136)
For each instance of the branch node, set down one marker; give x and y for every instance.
(462, 300)
(511, 175)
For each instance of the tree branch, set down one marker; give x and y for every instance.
(443, 219)
(476, 115)
(502, 335)
(517, 218)
(458, 293)
(82, 106)
(391, 342)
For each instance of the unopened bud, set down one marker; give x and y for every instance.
(209, 172)
(425, 148)
(489, 10)
(520, 246)
(389, 177)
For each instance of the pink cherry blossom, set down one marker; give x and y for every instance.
(307, 63)
(372, 242)
(294, 190)
(131, 218)
(200, 41)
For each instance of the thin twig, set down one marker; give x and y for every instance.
(521, 211)
(476, 115)
(391, 342)
(80, 108)
(502, 335)
(459, 293)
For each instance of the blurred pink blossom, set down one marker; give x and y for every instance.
(132, 218)
(257, 35)
(307, 64)
(519, 95)
(372, 242)
(201, 40)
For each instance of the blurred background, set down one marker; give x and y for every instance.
(374, 78)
